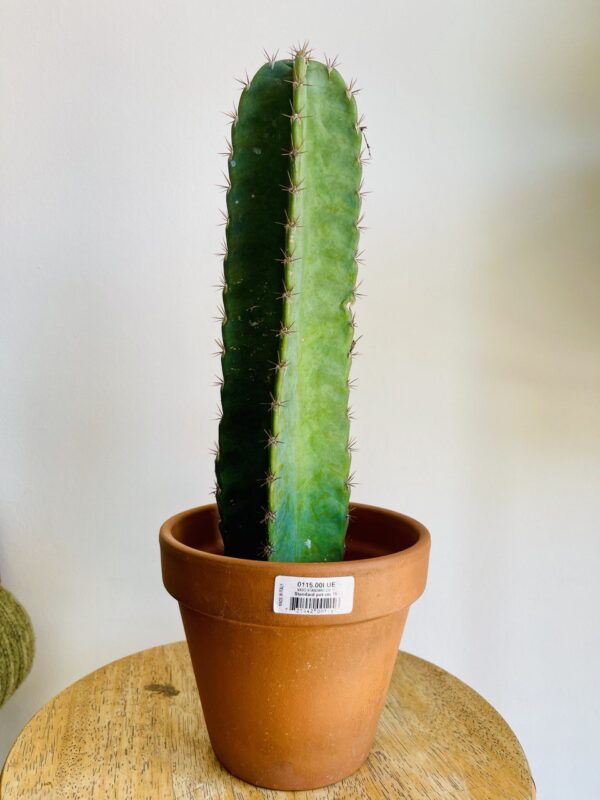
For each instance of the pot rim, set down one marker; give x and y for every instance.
(420, 547)
(242, 590)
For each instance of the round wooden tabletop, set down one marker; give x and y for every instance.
(133, 730)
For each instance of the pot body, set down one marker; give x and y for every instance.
(292, 701)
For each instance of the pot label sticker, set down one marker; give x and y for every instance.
(314, 596)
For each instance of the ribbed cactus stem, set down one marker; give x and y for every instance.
(290, 274)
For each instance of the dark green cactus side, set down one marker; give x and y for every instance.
(290, 265)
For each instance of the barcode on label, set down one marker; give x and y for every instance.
(315, 602)
(306, 595)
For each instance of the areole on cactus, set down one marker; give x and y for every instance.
(290, 259)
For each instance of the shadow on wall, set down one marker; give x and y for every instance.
(538, 317)
(538, 281)
(532, 415)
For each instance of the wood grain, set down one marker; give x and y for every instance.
(133, 730)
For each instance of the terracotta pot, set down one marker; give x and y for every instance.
(291, 701)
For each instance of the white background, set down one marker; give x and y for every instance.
(478, 405)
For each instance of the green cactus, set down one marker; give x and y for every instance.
(290, 263)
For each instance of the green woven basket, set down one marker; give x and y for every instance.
(17, 644)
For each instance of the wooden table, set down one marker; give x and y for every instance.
(133, 730)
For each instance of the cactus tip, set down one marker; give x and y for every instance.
(285, 330)
(232, 115)
(266, 550)
(272, 439)
(223, 252)
(361, 191)
(278, 365)
(294, 186)
(353, 297)
(269, 516)
(245, 81)
(297, 113)
(227, 185)
(274, 403)
(288, 293)
(269, 478)
(290, 222)
(296, 81)
(221, 316)
(222, 284)
(350, 482)
(293, 152)
(228, 149)
(331, 63)
(288, 258)
(271, 58)
(351, 89)
(352, 351)
(303, 49)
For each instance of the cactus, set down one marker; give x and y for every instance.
(290, 264)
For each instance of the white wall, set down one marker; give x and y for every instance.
(478, 407)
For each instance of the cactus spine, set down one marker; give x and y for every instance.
(290, 264)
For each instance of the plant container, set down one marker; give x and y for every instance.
(292, 681)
